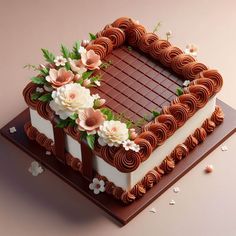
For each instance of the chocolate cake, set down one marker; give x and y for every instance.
(122, 109)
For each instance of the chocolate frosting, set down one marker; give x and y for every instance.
(169, 121)
(191, 69)
(151, 178)
(217, 116)
(201, 93)
(117, 192)
(209, 126)
(180, 151)
(116, 35)
(105, 42)
(167, 54)
(138, 190)
(98, 49)
(123, 23)
(27, 92)
(127, 197)
(206, 82)
(200, 134)
(179, 112)
(160, 131)
(156, 47)
(145, 148)
(146, 40)
(167, 165)
(134, 34)
(191, 142)
(189, 101)
(73, 132)
(180, 61)
(215, 76)
(150, 137)
(44, 110)
(127, 161)
(106, 155)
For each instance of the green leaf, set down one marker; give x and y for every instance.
(65, 51)
(67, 65)
(92, 36)
(45, 97)
(108, 113)
(62, 123)
(87, 74)
(155, 113)
(76, 54)
(35, 96)
(90, 140)
(129, 48)
(38, 80)
(129, 124)
(179, 91)
(74, 116)
(83, 135)
(48, 55)
(44, 71)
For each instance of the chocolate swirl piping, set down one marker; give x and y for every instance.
(105, 154)
(215, 76)
(160, 132)
(134, 34)
(200, 134)
(150, 137)
(206, 82)
(123, 23)
(116, 35)
(209, 126)
(138, 190)
(191, 69)
(145, 148)
(127, 161)
(105, 42)
(98, 49)
(27, 92)
(44, 110)
(191, 142)
(151, 178)
(218, 116)
(127, 197)
(146, 40)
(167, 55)
(180, 61)
(156, 48)
(167, 165)
(180, 152)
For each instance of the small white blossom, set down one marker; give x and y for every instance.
(82, 50)
(186, 83)
(172, 202)
(47, 88)
(153, 210)
(224, 148)
(35, 169)
(39, 90)
(12, 129)
(96, 96)
(97, 186)
(176, 189)
(191, 50)
(97, 82)
(60, 61)
(48, 153)
(130, 145)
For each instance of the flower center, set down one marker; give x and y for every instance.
(91, 121)
(72, 95)
(113, 129)
(60, 79)
(89, 61)
(97, 186)
(191, 50)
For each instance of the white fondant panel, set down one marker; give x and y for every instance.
(42, 125)
(73, 147)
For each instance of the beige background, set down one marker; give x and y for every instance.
(44, 205)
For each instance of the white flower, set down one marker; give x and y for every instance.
(186, 83)
(191, 50)
(97, 186)
(35, 169)
(69, 99)
(39, 90)
(60, 61)
(47, 88)
(130, 145)
(97, 82)
(12, 129)
(82, 50)
(113, 133)
(96, 96)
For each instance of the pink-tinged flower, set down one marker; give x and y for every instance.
(91, 60)
(99, 102)
(77, 66)
(60, 77)
(89, 120)
(86, 82)
(133, 134)
(97, 186)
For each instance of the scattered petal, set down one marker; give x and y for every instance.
(186, 83)
(48, 153)
(224, 148)
(35, 169)
(172, 202)
(153, 210)
(191, 49)
(209, 168)
(176, 189)
(12, 129)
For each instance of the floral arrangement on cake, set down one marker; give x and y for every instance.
(65, 82)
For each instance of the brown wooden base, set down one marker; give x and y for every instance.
(120, 212)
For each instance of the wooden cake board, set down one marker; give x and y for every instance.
(121, 213)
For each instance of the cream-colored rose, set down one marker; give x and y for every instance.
(69, 99)
(112, 133)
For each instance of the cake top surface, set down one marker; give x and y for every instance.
(101, 90)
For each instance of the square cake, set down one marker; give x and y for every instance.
(123, 108)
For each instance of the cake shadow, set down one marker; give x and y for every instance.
(46, 190)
